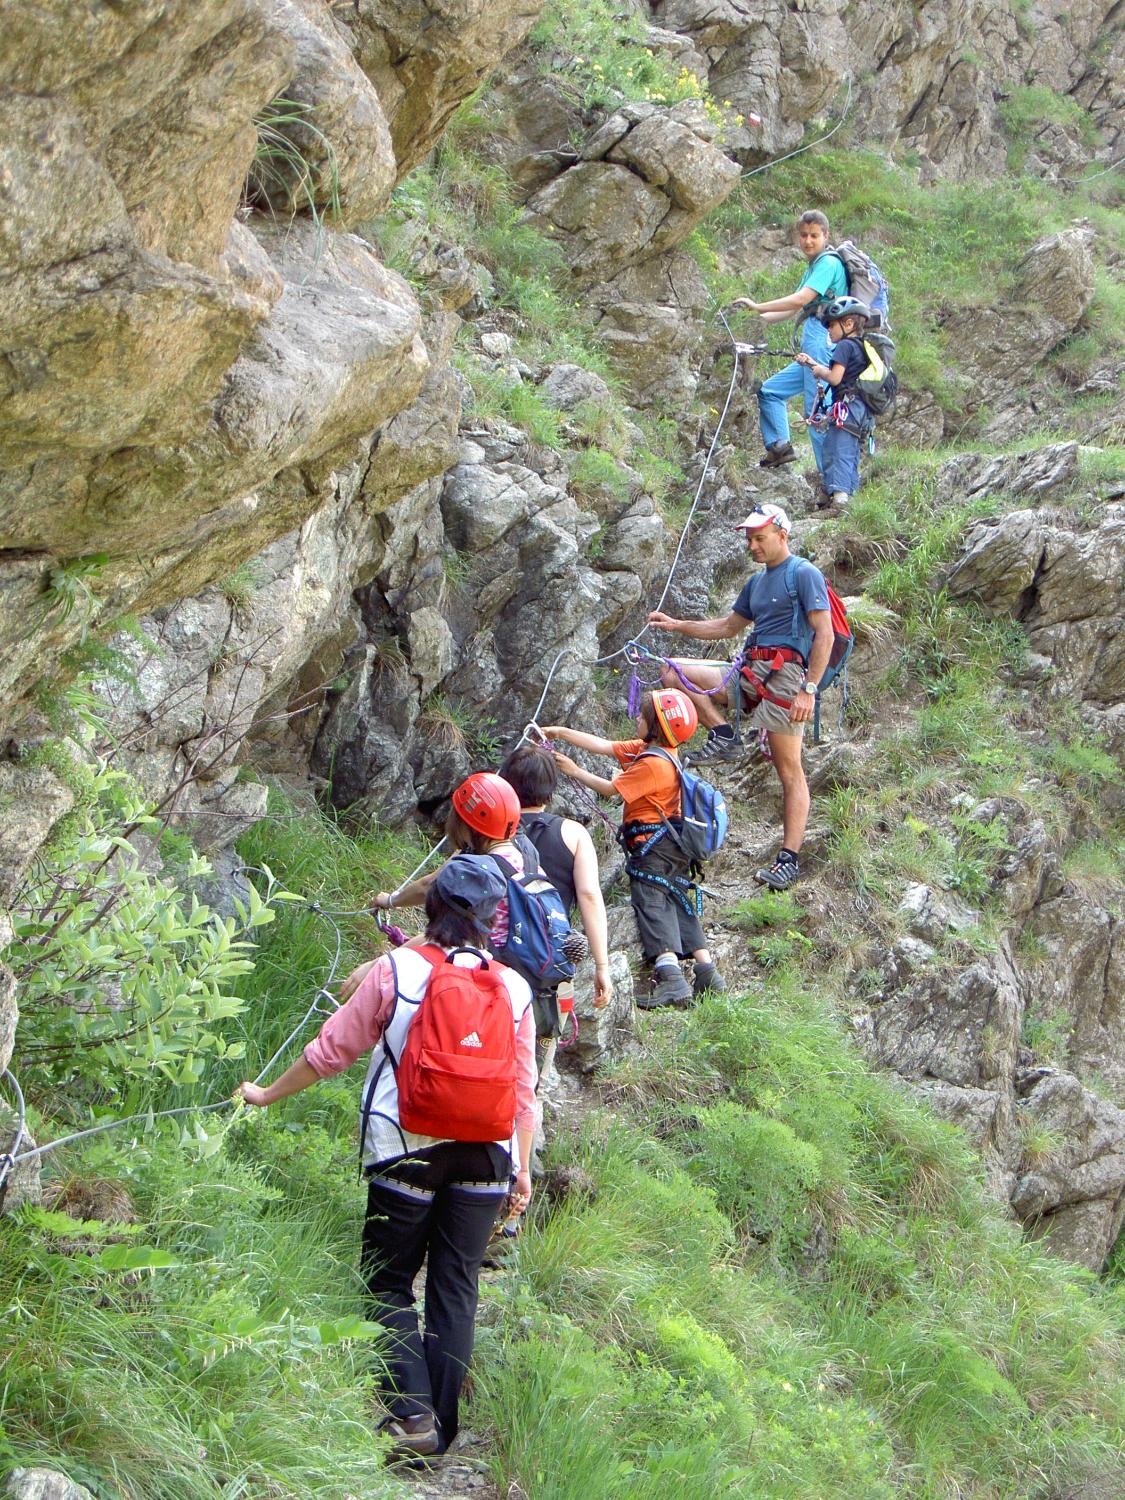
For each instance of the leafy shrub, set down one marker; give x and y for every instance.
(762, 1173)
(123, 976)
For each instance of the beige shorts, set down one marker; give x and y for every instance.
(783, 684)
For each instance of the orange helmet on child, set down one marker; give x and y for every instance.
(488, 804)
(676, 715)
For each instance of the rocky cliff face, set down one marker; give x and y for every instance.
(931, 76)
(183, 380)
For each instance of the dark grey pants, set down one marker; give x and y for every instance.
(663, 924)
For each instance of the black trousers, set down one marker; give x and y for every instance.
(441, 1205)
(663, 924)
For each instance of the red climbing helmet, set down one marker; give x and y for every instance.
(676, 715)
(488, 804)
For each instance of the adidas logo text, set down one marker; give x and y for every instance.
(472, 1040)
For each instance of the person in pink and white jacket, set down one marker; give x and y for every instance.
(427, 1198)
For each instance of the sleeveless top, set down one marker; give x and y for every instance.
(382, 1138)
(555, 859)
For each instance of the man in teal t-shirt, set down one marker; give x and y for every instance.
(824, 280)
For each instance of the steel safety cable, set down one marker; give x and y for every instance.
(598, 661)
(789, 155)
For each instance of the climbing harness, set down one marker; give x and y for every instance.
(639, 840)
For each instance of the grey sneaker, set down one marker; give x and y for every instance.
(707, 977)
(716, 747)
(841, 499)
(779, 876)
(669, 988)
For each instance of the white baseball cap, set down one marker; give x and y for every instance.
(766, 515)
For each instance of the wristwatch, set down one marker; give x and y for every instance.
(810, 687)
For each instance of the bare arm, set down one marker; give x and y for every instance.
(588, 889)
(413, 894)
(719, 629)
(297, 1076)
(786, 306)
(579, 739)
(821, 622)
(599, 784)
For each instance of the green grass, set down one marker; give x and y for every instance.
(190, 1381)
(781, 1278)
(596, 473)
(802, 1288)
(1025, 111)
(496, 396)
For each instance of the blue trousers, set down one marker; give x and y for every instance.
(842, 449)
(794, 380)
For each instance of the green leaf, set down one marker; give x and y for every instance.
(136, 1258)
(351, 1327)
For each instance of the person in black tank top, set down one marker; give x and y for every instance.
(544, 829)
(566, 853)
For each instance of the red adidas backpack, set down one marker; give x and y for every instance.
(457, 1074)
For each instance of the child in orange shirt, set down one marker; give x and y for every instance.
(663, 897)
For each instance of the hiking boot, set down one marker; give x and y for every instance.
(716, 747)
(784, 872)
(707, 977)
(669, 988)
(414, 1438)
(841, 499)
(776, 454)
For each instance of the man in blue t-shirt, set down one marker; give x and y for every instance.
(824, 279)
(781, 665)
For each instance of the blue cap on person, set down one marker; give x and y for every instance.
(766, 515)
(472, 884)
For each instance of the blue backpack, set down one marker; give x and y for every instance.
(703, 811)
(538, 924)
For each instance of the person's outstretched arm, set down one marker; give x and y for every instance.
(786, 306)
(296, 1077)
(719, 629)
(600, 784)
(347, 1033)
(579, 739)
(413, 894)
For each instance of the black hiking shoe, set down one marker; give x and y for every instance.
(707, 977)
(669, 988)
(777, 454)
(784, 872)
(716, 747)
